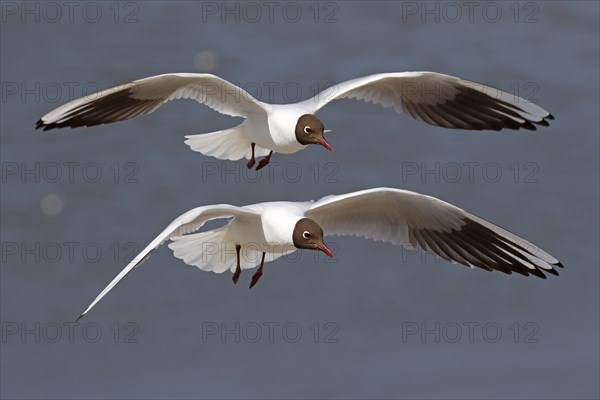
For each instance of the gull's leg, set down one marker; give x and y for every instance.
(258, 273)
(238, 270)
(262, 163)
(252, 160)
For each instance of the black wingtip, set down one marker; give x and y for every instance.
(45, 127)
(550, 117)
(559, 264)
(529, 126)
(537, 272)
(543, 122)
(78, 318)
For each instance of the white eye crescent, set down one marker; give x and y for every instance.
(306, 234)
(307, 129)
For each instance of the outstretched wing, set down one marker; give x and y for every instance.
(420, 221)
(189, 222)
(440, 100)
(146, 95)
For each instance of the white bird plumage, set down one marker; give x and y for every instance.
(434, 98)
(397, 216)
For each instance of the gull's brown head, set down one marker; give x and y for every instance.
(310, 130)
(309, 235)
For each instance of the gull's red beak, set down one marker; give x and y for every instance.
(325, 249)
(325, 144)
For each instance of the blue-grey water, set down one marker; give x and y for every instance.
(377, 322)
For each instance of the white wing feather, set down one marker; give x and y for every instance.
(416, 220)
(440, 100)
(144, 96)
(188, 222)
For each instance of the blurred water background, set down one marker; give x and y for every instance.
(378, 322)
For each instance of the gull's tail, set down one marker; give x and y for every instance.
(228, 144)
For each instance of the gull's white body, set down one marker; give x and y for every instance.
(433, 98)
(282, 121)
(271, 132)
(262, 228)
(397, 216)
(274, 232)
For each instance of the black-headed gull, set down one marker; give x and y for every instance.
(391, 215)
(433, 98)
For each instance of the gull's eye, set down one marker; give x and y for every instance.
(307, 129)
(306, 234)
